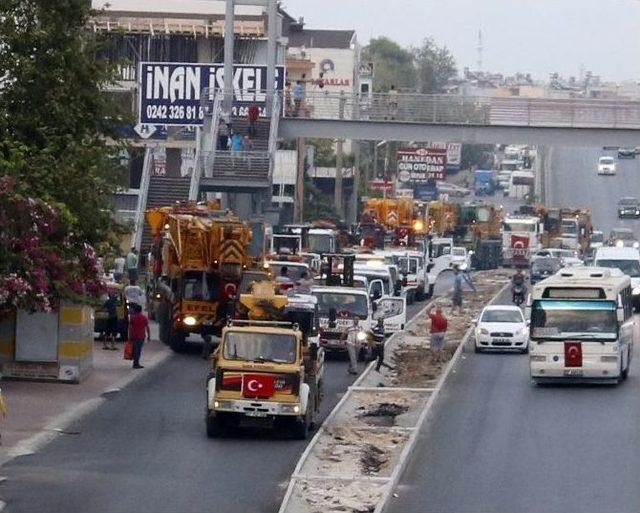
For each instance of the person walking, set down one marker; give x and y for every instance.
(351, 336)
(132, 264)
(118, 271)
(298, 98)
(378, 345)
(439, 326)
(237, 145)
(138, 332)
(458, 280)
(253, 113)
(111, 305)
(223, 135)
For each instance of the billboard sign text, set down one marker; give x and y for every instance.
(170, 92)
(422, 164)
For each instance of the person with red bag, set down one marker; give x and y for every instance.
(138, 331)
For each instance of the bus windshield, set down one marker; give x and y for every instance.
(584, 320)
(629, 267)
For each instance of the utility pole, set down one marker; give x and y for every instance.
(271, 52)
(229, 40)
(298, 205)
(356, 183)
(337, 193)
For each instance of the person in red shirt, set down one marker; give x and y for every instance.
(438, 330)
(253, 113)
(138, 331)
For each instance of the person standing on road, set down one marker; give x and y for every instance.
(253, 113)
(378, 345)
(439, 326)
(118, 272)
(138, 332)
(458, 280)
(351, 336)
(132, 264)
(111, 305)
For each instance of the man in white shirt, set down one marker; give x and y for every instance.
(134, 294)
(118, 272)
(351, 335)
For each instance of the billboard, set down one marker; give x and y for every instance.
(454, 153)
(421, 165)
(169, 93)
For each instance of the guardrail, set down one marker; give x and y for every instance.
(237, 164)
(456, 110)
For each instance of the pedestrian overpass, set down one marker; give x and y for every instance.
(500, 120)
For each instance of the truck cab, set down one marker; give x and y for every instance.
(267, 373)
(439, 252)
(413, 271)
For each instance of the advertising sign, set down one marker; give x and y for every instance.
(421, 165)
(404, 193)
(170, 92)
(454, 153)
(381, 185)
(426, 192)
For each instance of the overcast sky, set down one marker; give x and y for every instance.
(536, 36)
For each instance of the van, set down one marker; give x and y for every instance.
(625, 259)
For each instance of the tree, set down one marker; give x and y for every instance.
(41, 261)
(58, 148)
(479, 155)
(57, 127)
(393, 65)
(435, 67)
(318, 205)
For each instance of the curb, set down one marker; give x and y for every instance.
(61, 422)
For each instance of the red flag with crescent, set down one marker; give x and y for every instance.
(519, 246)
(258, 385)
(572, 354)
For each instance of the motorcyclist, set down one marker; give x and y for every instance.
(518, 282)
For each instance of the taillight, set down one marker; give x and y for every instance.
(321, 332)
(572, 354)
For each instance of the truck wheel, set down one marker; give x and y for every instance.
(177, 340)
(301, 428)
(215, 427)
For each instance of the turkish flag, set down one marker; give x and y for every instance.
(519, 246)
(572, 354)
(258, 385)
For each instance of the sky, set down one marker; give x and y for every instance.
(530, 36)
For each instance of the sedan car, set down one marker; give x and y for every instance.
(567, 257)
(606, 166)
(626, 153)
(543, 267)
(623, 238)
(502, 327)
(628, 207)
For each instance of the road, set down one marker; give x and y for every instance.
(500, 444)
(573, 182)
(146, 450)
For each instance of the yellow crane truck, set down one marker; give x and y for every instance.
(268, 369)
(198, 259)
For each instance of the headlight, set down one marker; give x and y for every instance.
(484, 331)
(189, 320)
(636, 245)
(463, 267)
(525, 330)
(290, 408)
(635, 291)
(158, 296)
(361, 336)
(619, 244)
(222, 404)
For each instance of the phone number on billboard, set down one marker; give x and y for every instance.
(174, 112)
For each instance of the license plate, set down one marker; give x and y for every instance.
(573, 372)
(260, 414)
(502, 340)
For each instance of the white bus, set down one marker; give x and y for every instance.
(581, 326)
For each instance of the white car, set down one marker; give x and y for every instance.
(502, 327)
(568, 258)
(461, 258)
(606, 166)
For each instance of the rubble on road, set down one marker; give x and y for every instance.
(352, 460)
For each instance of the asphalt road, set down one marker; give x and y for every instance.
(146, 450)
(497, 443)
(574, 183)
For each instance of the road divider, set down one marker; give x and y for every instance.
(355, 460)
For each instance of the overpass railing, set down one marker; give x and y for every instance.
(457, 110)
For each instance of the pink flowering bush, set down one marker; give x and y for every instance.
(41, 262)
